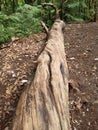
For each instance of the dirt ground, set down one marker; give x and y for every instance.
(17, 68)
(81, 45)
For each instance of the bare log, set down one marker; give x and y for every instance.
(44, 105)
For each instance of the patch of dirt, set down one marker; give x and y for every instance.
(81, 45)
(17, 70)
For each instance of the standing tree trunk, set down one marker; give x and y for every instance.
(0, 4)
(44, 105)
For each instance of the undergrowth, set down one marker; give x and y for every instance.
(26, 18)
(24, 22)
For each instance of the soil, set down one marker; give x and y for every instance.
(17, 68)
(81, 45)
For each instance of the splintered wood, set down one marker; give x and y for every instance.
(44, 105)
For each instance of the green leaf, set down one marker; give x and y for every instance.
(83, 4)
(13, 18)
(73, 5)
(1, 28)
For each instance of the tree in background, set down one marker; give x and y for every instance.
(15, 14)
(70, 10)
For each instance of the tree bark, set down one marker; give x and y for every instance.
(44, 105)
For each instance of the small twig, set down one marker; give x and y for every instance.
(45, 27)
(35, 62)
(3, 47)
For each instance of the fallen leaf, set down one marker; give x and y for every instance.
(95, 102)
(96, 59)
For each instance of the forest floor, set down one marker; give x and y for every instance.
(17, 69)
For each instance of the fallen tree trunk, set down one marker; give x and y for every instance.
(44, 105)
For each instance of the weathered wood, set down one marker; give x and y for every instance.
(44, 105)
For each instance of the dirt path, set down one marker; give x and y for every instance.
(81, 43)
(17, 70)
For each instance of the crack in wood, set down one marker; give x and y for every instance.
(28, 101)
(51, 87)
(43, 110)
(62, 69)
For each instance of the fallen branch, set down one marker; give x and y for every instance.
(53, 6)
(44, 105)
(45, 27)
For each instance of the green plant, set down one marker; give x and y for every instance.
(25, 21)
(26, 18)
(74, 10)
